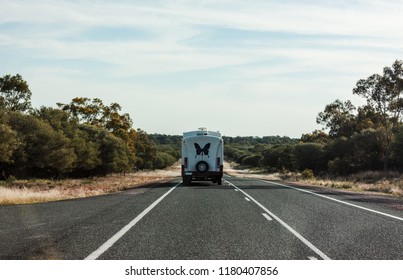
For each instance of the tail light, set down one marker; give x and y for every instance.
(185, 162)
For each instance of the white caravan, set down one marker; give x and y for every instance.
(202, 156)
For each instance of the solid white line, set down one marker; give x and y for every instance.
(299, 236)
(337, 200)
(267, 216)
(94, 255)
(247, 199)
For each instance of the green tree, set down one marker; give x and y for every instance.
(8, 140)
(397, 148)
(384, 94)
(235, 152)
(171, 149)
(309, 156)
(42, 151)
(8, 143)
(163, 160)
(279, 157)
(88, 151)
(368, 118)
(362, 151)
(115, 122)
(252, 160)
(100, 152)
(367, 149)
(59, 120)
(114, 154)
(339, 118)
(85, 110)
(317, 136)
(146, 151)
(15, 93)
(95, 112)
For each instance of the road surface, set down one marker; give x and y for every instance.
(242, 219)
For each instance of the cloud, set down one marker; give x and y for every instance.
(164, 29)
(271, 55)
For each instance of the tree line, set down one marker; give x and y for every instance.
(353, 139)
(82, 138)
(87, 137)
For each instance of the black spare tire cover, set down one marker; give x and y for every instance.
(202, 166)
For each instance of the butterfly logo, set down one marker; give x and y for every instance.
(200, 151)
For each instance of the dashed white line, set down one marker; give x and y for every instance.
(36, 225)
(94, 255)
(334, 199)
(267, 216)
(299, 236)
(312, 258)
(247, 199)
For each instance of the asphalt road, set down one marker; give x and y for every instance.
(242, 219)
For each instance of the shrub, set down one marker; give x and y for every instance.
(307, 174)
(309, 156)
(11, 179)
(253, 160)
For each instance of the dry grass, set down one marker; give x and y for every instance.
(34, 191)
(370, 181)
(390, 183)
(24, 195)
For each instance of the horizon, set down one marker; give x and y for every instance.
(243, 136)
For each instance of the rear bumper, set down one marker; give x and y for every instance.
(199, 176)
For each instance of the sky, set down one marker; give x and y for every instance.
(241, 67)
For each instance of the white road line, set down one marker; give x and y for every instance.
(267, 216)
(337, 200)
(104, 247)
(247, 199)
(313, 258)
(299, 236)
(236, 190)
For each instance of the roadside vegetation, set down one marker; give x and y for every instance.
(379, 182)
(72, 150)
(359, 148)
(83, 138)
(168, 149)
(44, 190)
